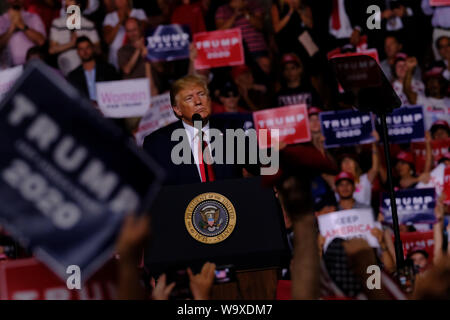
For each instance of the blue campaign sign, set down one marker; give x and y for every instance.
(168, 43)
(413, 205)
(405, 124)
(346, 127)
(68, 176)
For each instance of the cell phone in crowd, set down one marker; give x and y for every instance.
(225, 274)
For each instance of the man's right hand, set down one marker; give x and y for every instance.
(73, 39)
(411, 63)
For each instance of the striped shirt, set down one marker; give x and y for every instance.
(253, 38)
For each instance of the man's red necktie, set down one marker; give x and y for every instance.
(335, 19)
(206, 170)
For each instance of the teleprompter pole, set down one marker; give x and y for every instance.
(398, 242)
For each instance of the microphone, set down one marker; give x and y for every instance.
(196, 117)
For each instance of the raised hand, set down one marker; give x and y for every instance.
(161, 291)
(201, 284)
(135, 231)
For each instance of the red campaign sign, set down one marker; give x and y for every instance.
(28, 279)
(219, 49)
(291, 121)
(439, 148)
(423, 240)
(447, 186)
(439, 3)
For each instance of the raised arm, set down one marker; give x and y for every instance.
(4, 38)
(295, 199)
(372, 173)
(222, 24)
(278, 24)
(129, 245)
(411, 64)
(428, 153)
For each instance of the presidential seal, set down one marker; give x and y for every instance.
(210, 218)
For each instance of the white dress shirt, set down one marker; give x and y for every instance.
(193, 136)
(346, 29)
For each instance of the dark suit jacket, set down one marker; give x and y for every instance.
(104, 72)
(159, 145)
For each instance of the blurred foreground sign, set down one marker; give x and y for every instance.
(7, 79)
(28, 279)
(67, 175)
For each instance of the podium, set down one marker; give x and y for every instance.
(231, 222)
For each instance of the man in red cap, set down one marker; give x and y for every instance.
(345, 187)
(406, 171)
(296, 87)
(440, 130)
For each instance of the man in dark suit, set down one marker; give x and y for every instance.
(189, 96)
(90, 71)
(339, 22)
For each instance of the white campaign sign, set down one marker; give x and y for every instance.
(159, 115)
(124, 98)
(347, 224)
(7, 79)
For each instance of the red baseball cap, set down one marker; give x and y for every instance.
(314, 110)
(290, 58)
(344, 176)
(439, 124)
(400, 57)
(238, 70)
(406, 157)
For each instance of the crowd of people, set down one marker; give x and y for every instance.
(287, 44)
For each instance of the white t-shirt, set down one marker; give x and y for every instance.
(416, 85)
(436, 180)
(69, 60)
(112, 19)
(363, 190)
(346, 30)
